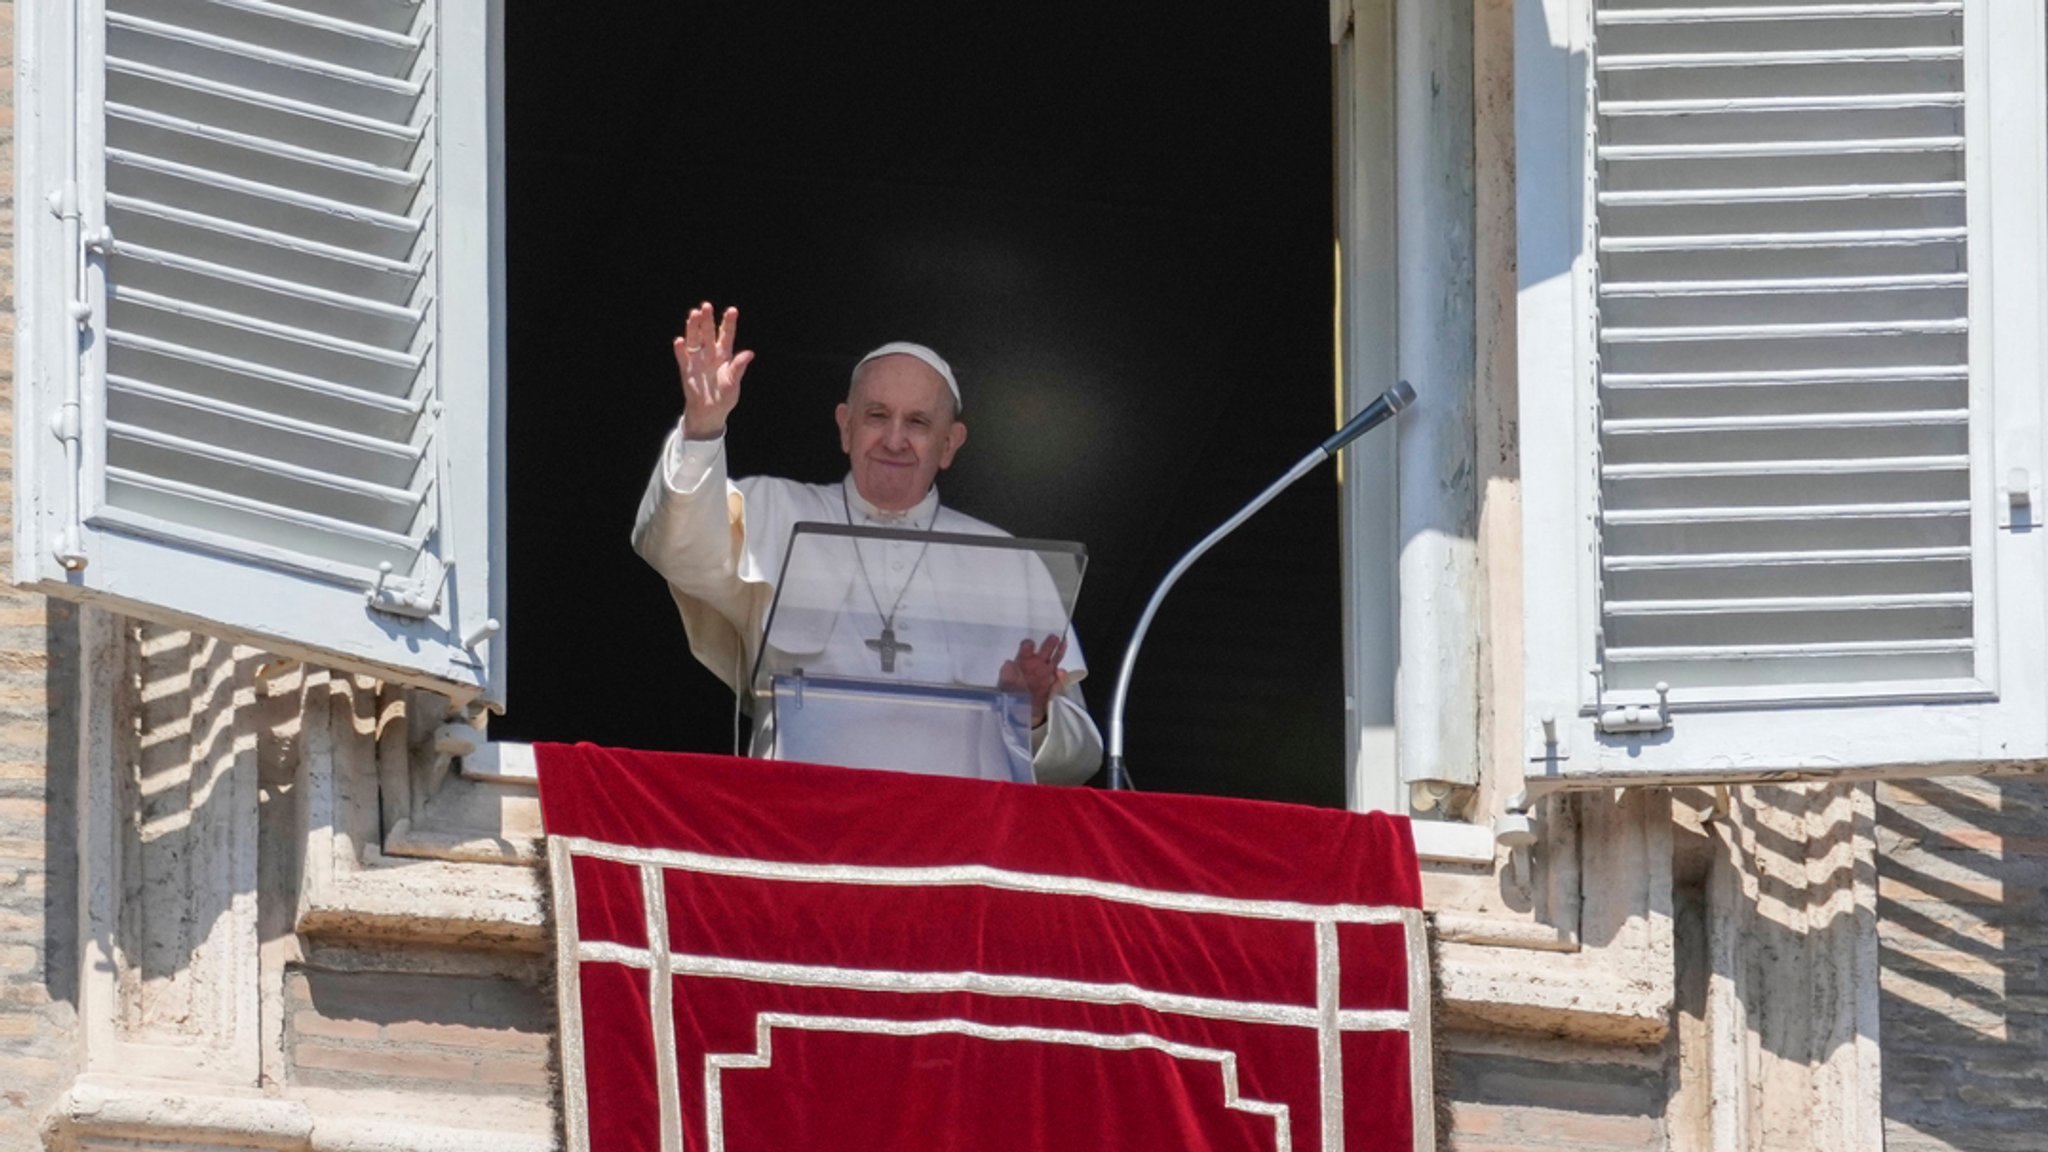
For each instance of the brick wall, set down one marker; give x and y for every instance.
(1962, 868)
(37, 647)
(38, 894)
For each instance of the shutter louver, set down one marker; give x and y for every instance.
(270, 282)
(1783, 310)
(261, 352)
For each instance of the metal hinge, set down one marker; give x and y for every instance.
(65, 420)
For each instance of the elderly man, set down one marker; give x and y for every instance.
(720, 543)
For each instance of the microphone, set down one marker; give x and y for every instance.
(1370, 417)
(1381, 410)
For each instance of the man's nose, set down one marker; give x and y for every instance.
(898, 437)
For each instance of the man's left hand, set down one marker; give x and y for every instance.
(1036, 670)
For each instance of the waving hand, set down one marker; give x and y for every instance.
(710, 371)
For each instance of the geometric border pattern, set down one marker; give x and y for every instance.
(767, 1022)
(663, 964)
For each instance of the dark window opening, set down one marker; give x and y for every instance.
(1114, 221)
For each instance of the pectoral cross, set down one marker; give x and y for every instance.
(889, 646)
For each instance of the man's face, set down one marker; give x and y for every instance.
(898, 431)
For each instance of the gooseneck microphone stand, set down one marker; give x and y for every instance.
(1374, 414)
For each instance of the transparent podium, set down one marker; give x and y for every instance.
(885, 648)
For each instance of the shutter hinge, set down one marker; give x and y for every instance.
(66, 421)
(63, 202)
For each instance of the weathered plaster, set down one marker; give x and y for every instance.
(110, 1114)
(1792, 997)
(233, 852)
(1438, 704)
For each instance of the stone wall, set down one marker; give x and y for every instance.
(1961, 926)
(298, 929)
(1521, 1094)
(38, 647)
(467, 1024)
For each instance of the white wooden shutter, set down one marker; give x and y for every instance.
(1781, 382)
(272, 409)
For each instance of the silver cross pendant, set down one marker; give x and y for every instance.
(889, 646)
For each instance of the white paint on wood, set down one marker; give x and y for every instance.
(1367, 323)
(291, 403)
(1733, 481)
(1437, 715)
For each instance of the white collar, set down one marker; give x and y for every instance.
(922, 514)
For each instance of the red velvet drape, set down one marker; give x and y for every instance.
(867, 960)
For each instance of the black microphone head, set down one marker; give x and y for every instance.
(1381, 410)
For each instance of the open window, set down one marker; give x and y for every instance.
(260, 305)
(283, 242)
(1781, 362)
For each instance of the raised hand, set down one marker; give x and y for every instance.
(710, 371)
(1036, 670)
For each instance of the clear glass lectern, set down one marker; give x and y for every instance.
(885, 647)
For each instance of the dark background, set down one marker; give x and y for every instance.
(1113, 219)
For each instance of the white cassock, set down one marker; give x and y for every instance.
(720, 543)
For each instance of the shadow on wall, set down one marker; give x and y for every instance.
(198, 746)
(1772, 910)
(186, 758)
(1786, 985)
(1815, 926)
(1542, 1093)
(1917, 960)
(1963, 864)
(60, 800)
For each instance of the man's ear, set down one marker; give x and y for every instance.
(955, 437)
(843, 415)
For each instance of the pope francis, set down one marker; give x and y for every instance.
(720, 542)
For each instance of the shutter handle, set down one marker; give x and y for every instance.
(1639, 718)
(481, 633)
(2022, 495)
